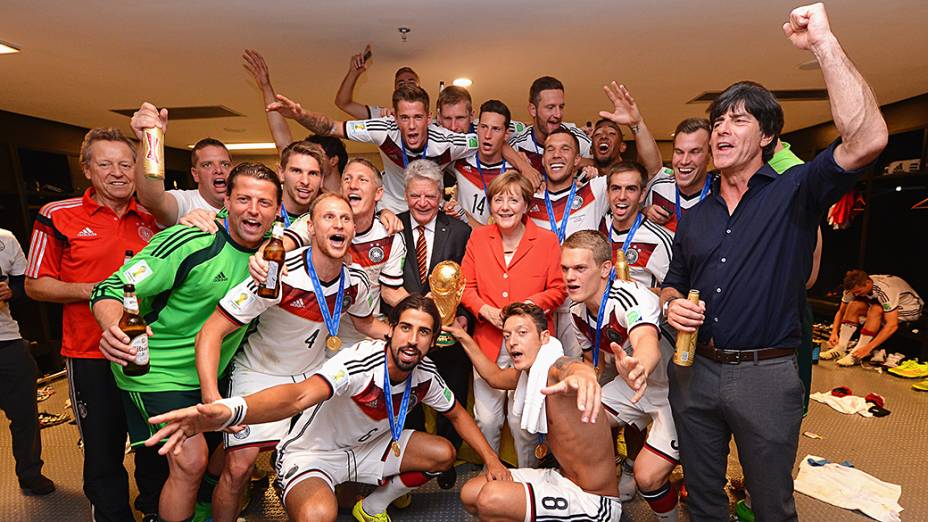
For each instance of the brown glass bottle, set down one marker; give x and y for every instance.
(132, 324)
(274, 255)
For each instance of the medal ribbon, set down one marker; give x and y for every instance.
(396, 424)
(425, 149)
(331, 319)
(702, 195)
(599, 318)
(483, 180)
(284, 215)
(630, 234)
(562, 230)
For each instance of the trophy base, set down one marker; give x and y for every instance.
(445, 340)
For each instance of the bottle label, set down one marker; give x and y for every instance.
(131, 303)
(273, 269)
(278, 230)
(140, 343)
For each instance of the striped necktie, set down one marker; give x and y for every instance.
(422, 256)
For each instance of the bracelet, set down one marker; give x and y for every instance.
(634, 128)
(239, 408)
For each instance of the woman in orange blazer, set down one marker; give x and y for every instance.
(510, 260)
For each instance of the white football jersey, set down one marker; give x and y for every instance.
(289, 338)
(589, 206)
(649, 254)
(629, 305)
(893, 293)
(356, 413)
(472, 195)
(442, 147)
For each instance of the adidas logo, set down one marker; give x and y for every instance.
(298, 303)
(87, 232)
(221, 278)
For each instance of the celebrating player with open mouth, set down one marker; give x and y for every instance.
(346, 437)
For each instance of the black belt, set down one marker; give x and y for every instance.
(740, 356)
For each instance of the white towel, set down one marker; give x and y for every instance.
(849, 404)
(528, 403)
(849, 488)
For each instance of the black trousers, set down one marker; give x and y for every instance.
(455, 368)
(18, 373)
(102, 423)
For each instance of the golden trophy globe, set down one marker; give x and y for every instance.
(447, 284)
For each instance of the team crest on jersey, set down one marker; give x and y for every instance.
(472, 142)
(359, 126)
(632, 317)
(242, 435)
(145, 233)
(578, 202)
(375, 254)
(339, 376)
(137, 273)
(631, 256)
(446, 393)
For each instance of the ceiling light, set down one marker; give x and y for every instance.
(462, 82)
(8, 48)
(247, 146)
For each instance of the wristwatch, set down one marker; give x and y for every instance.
(667, 305)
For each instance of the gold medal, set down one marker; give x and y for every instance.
(541, 450)
(333, 343)
(396, 448)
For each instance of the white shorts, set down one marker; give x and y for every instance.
(244, 381)
(654, 406)
(551, 497)
(368, 463)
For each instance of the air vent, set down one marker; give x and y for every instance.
(190, 113)
(783, 95)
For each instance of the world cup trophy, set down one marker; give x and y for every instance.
(447, 283)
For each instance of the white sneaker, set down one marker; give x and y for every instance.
(893, 360)
(834, 353)
(848, 360)
(878, 356)
(627, 486)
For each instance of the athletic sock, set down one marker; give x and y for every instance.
(394, 488)
(627, 487)
(844, 335)
(865, 337)
(663, 501)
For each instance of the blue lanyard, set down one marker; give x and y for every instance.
(284, 215)
(502, 170)
(396, 424)
(425, 149)
(562, 230)
(599, 318)
(702, 195)
(331, 319)
(630, 234)
(539, 151)
(225, 221)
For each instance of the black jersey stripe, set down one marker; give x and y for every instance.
(177, 238)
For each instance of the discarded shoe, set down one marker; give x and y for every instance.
(921, 385)
(893, 360)
(911, 369)
(878, 356)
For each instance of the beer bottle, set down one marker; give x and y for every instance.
(134, 326)
(153, 153)
(274, 255)
(622, 270)
(685, 352)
